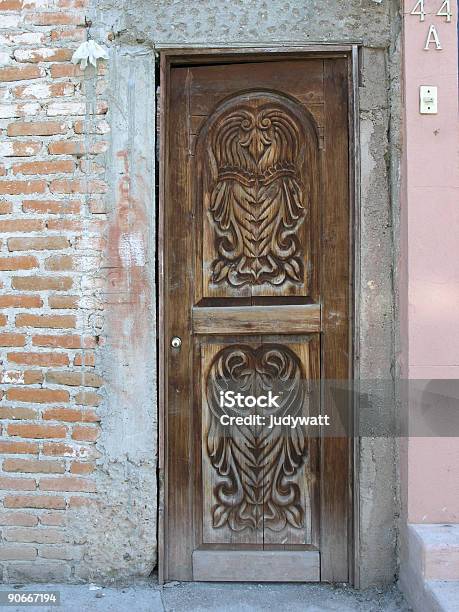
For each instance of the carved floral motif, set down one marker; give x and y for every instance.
(257, 467)
(257, 198)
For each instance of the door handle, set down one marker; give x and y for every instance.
(176, 342)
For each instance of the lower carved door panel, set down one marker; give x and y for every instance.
(255, 301)
(259, 480)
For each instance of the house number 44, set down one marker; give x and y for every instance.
(432, 34)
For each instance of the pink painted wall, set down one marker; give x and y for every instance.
(430, 247)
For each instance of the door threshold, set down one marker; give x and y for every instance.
(256, 565)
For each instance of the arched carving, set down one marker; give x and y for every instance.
(257, 192)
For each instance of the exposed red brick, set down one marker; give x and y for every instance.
(85, 127)
(39, 536)
(67, 483)
(17, 413)
(37, 396)
(20, 301)
(88, 398)
(34, 466)
(71, 34)
(34, 501)
(65, 70)
(18, 519)
(85, 433)
(46, 54)
(67, 225)
(36, 128)
(18, 187)
(30, 430)
(13, 340)
(77, 186)
(97, 207)
(21, 225)
(21, 377)
(14, 552)
(20, 73)
(63, 301)
(44, 167)
(66, 147)
(52, 518)
(70, 415)
(40, 243)
(74, 379)
(10, 5)
(48, 90)
(18, 448)
(39, 359)
(72, 3)
(22, 148)
(32, 377)
(55, 18)
(81, 502)
(73, 341)
(75, 451)
(18, 484)
(51, 321)
(18, 263)
(59, 262)
(42, 283)
(82, 468)
(5, 208)
(60, 449)
(55, 207)
(87, 359)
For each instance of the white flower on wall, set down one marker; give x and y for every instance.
(90, 52)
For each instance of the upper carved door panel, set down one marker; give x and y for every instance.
(255, 196)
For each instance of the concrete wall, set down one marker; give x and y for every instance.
(121, 534)
(116, 538)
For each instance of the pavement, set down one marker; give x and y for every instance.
(147, 596)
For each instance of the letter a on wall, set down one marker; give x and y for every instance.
(432, 38)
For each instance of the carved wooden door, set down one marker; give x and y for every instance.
(255, 300)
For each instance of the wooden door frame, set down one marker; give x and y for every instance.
(249, 53)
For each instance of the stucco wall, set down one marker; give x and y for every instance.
(429, 298)
(432, 222)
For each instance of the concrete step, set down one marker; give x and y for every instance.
(438, 546)
(443, 595)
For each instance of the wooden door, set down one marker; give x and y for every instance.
(255, 298)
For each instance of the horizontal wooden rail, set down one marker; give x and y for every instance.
(284, 319)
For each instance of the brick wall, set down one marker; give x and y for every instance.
(51, 222)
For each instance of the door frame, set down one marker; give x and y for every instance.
(170, 56)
